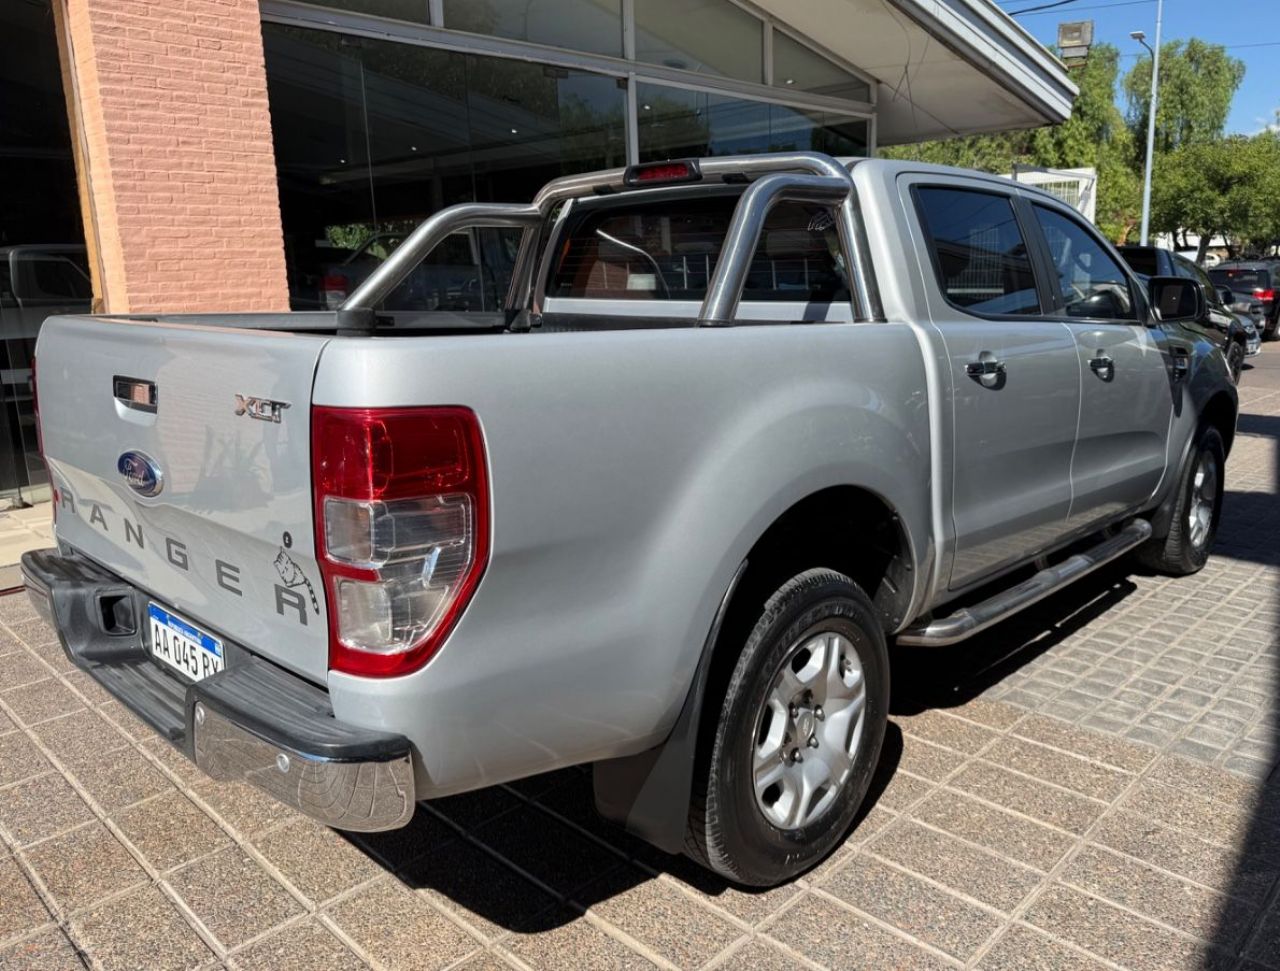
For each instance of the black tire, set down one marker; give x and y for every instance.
(728, 831)
(1183, 551)
(1235, 360)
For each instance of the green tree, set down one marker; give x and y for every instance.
(1197, 83)
(1229, 187)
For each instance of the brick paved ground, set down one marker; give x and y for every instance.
(1085, 787)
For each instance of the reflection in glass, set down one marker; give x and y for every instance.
(704, 36)
(373, 136)
(414, 11)
(594, 26)
(677, 123)
(800, 69)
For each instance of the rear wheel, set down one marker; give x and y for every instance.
(798, 735)
(1196, 512)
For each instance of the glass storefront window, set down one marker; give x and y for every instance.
(371, 137)
(703, 36)
(800, 69)
(594, 26)
(678, 123)
(43, 263)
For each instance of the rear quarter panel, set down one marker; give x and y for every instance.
(631, 472)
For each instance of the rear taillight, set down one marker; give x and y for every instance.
(402, 530)
(333, 290)
(1262, 294)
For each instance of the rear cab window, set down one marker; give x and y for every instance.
(978, 250)
(1241, 280)
(656, 254)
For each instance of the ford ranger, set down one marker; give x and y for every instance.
(742, 423)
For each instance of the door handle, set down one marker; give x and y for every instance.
(1103, 366)
(985, 368)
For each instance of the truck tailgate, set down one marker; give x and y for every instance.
(227, 540)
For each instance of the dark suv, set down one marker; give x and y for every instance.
(1256, 278)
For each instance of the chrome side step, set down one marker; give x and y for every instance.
(969, 620)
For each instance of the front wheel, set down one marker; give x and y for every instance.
(1196, 512)
(798, 735)
(1235, 360)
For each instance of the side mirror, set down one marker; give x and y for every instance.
(1227, 296)
(1176, 299)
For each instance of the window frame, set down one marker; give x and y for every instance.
(1020, 217)
(1137, 295)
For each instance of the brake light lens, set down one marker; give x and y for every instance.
(402, 530)
(1262, 294)
(662, 173)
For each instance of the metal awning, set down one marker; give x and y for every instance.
(943, 67)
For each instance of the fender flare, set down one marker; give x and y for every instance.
(648, 793)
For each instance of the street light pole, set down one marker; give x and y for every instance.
(1141, 38)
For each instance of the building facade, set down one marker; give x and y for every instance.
(188, 155)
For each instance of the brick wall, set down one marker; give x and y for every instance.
(172, 100)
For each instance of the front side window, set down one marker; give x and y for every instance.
(979, 254)
(667, 249)
(1091, 282)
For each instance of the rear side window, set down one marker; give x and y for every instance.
(666, 249)
(1091, 281)
(979, 254)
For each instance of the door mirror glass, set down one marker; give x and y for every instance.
(1226, 296)
(1176, 299)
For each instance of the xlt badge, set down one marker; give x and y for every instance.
(263, 409)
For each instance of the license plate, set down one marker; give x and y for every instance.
(183, 646)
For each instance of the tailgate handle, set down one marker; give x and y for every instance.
(136, 393)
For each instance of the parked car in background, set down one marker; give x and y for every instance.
(1232, 327)
(1256, 277)
(470, 271)
(739, 423)
(1248, 309)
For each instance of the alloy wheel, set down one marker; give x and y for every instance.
(808, 730)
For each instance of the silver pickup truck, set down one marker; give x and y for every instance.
(743, 423)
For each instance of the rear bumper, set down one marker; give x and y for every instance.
(252, 722)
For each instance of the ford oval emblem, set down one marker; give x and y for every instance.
(141, 472)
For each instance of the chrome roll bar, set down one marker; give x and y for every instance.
(853, 237)
(821, 171)
(725, 289)
(357, 311)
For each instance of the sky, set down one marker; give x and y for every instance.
(1233, 23)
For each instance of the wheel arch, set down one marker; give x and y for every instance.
(835, 527)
